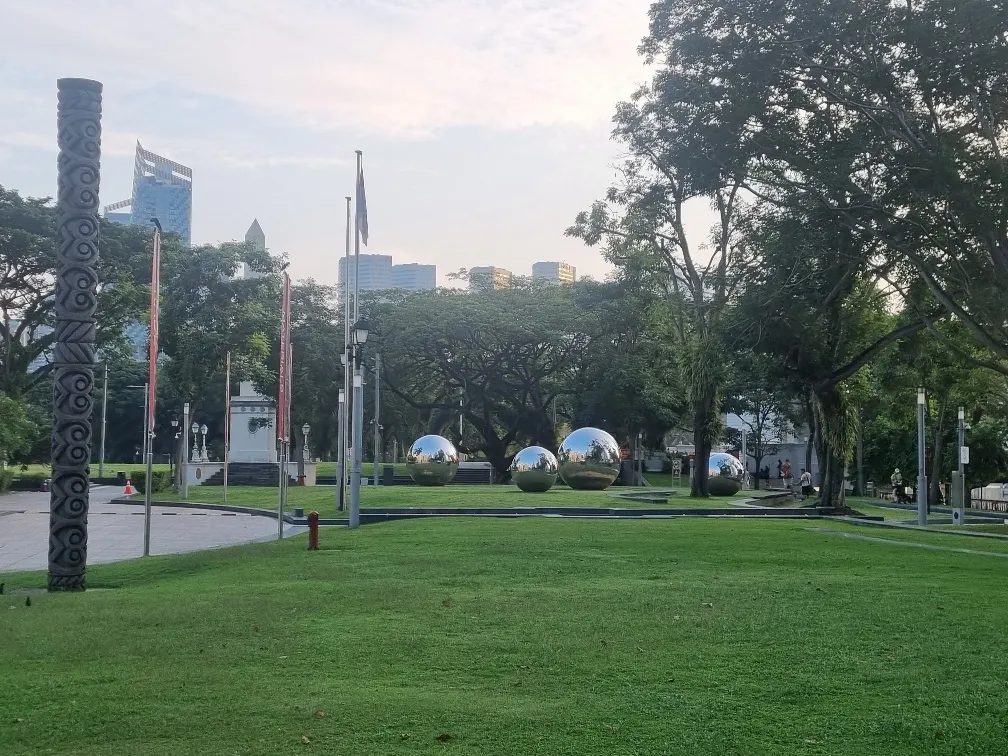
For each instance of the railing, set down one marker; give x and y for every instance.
(989, 505)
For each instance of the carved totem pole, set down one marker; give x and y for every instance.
(78, 119)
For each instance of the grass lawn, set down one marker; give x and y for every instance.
(534, 636)
(322, 498)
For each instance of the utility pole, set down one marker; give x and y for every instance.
(377, 414)
(358, 440)
(341, 462)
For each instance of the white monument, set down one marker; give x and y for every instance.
(253, 426)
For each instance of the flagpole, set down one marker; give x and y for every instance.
(227, 422)
(341, 468)
(356, 295)
(151, 394)
(354, 362)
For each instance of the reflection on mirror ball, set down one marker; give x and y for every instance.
(432, 461)
(534, 469)
(589, 459)
(724, 475)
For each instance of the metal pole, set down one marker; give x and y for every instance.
(347, 367)
(282, 464)
(377, 414)
(104, 409)
(356, 296)
(143, 450)
(358, 439)
(149, 434)
(921, 474)
(184, 458)
(341, 462)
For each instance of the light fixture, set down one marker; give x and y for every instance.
(305, 429)
(203, 429)
(194, 428)
(962, 414)
(342, 396)
(361, 332)
(920, 396)
(174, 422)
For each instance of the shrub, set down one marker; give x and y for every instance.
(6, 477)
(161, 480)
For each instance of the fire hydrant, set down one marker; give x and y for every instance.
(313, 531)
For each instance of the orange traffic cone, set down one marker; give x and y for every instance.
(129, 488)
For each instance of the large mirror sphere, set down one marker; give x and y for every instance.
(589, 459)
(724, 475)
(534, 469)
(432, 461)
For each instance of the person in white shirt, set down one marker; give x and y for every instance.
(805, 481)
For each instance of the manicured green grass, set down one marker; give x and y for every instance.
(533, 636)
(322, 498)
(999, 529)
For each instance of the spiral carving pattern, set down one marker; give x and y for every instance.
(78, 118)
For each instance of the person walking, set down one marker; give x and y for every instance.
(787, 474)
(780, 474)
(896, 480)
(805, 479)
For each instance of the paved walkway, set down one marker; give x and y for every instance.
(115, 531)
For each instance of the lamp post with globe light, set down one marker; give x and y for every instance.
(195, 441)
(359, 337)
(203, 454)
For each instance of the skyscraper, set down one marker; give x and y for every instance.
(489, 277)
(557, 272)
(414, 277)
(162, 189)
(375, 272)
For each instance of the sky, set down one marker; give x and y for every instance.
(484, 124)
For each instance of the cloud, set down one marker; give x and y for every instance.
(386, 67)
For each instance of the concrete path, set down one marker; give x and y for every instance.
(115, 531)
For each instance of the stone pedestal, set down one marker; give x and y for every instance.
(253, 427)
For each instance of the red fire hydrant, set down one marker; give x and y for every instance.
(313, 531)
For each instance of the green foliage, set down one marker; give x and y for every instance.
(161, 480)
(6, 478)
(17, 430)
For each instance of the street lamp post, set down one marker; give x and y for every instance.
(921, 474)
(195, 441)
(341, 449)
(175, 435)
(104, 412)
(203, 454)
(305, 454)
(182, 461)
(359, 338)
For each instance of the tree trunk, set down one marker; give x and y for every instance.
(936, 456)
(860, 458)
(757, 461)
(702, 411)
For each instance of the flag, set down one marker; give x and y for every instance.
(155, 293)
(362, 227)
(283, 374)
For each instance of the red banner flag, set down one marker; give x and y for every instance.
(155, 293)
(283, 374)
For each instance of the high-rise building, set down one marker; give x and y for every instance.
(414, 277)
(489, 277)
(162, 189)
(375, 272)
(557, 272)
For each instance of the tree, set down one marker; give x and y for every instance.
(17, 430)
(765, 405)
(27, 287)
(681, 149)
(506, 354)
(890, 116)
(627, 378)
(206, 312)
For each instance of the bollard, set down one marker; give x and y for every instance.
(313, 531)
